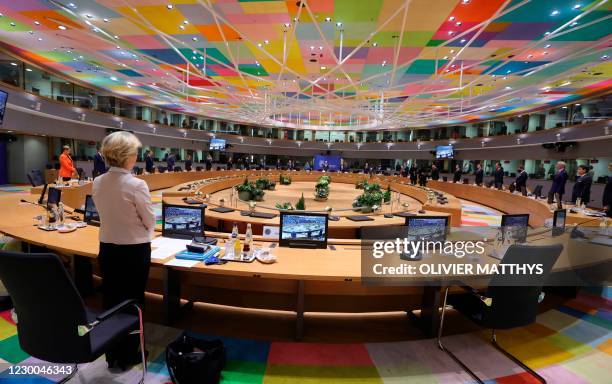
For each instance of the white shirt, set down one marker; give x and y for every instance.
(124, 205)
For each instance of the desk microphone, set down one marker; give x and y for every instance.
(44, 206)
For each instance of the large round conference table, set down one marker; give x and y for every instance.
(302, 280)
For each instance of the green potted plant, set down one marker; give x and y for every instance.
(262, 183)
(321, 192)
(374, 187)
(284, 206)
(245, 190)
(258, 194)
(326, 179)
(387, 194)
(301, 204)
(361, 184)
(271, 185)
(284, 180)
(368, 200)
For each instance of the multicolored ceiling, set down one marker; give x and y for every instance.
(324, 64)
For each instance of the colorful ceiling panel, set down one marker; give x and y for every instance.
(324, 64)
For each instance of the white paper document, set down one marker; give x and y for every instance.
(181, 263)
(164, 247)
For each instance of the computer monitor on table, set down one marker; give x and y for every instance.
(182, 222)
(91, 212)
(517, 224)
(430, 228)
(303, 230)
(559, 218)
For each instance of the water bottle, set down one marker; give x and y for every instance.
(248, 242)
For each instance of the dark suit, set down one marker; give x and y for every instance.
(479, 173)
(498, 177)
(99, 166)
(149, 164)
(521, 181)
(457, 176)
(170, 162)
(422, 178)
(435, 174)
(582, 188)
(607, 196)
(558, 184)
(413, 175)
(188, 165)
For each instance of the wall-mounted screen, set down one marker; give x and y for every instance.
(444, 152)
(217, 144)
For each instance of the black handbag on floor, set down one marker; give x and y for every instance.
(195, 361)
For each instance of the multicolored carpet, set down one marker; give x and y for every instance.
(569, 344)
(473, 214)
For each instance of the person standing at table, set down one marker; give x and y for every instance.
(435, 172)
(582, 186)
(607, 194)
(149, 163)
(188, 163)
(366, 168)
(99, 166)
(67, 168)
(521, 179)
(498, 176)
(479, 174)
(170, 161)
(127, 222)
(422, 177)
(558, 184)
(208, 162)
(457, 174)
(413, 173)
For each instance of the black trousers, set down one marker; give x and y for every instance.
(125, 271)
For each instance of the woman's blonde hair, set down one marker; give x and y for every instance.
(118, 146)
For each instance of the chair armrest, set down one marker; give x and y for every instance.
(117, 308)
(488, 301)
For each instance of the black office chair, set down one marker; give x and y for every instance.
(81, 173)
(161, 169)
(510, 301)
(35, 177)
(53, 323)
(198, 169)
(178, 169)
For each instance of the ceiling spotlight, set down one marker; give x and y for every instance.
(194, 38)
(14, 64)
(374, 44)
(458, 23)
(577, 6)
(546, 33)
(40, 39)
(384, 63)
(113, 78)
(462, 41)
(575, 23)
(185, 21)
(116, 37)
(452, 18)
(182, 27)
(508, 88)
(266, 41)
(323, 68)
(31, 32)
(37, 22)
(328, 19)
(28, 69)
(169, 6)
(452, 51)
(529, 56)
(445, 58)
(547, 46)
(545, 53)
(105, 20)
(450, 32)
(604, 57)
(287, 25)
(339, 24)
(555, 12)
(465, 1)
(12, 24)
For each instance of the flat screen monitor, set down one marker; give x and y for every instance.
(217, 144)
(54, 197)
(444, 152)
(517, 224)
(559, 221)
(431, 228)
(303, 230)
(3, 99)
(182, 222)
(91, 212)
